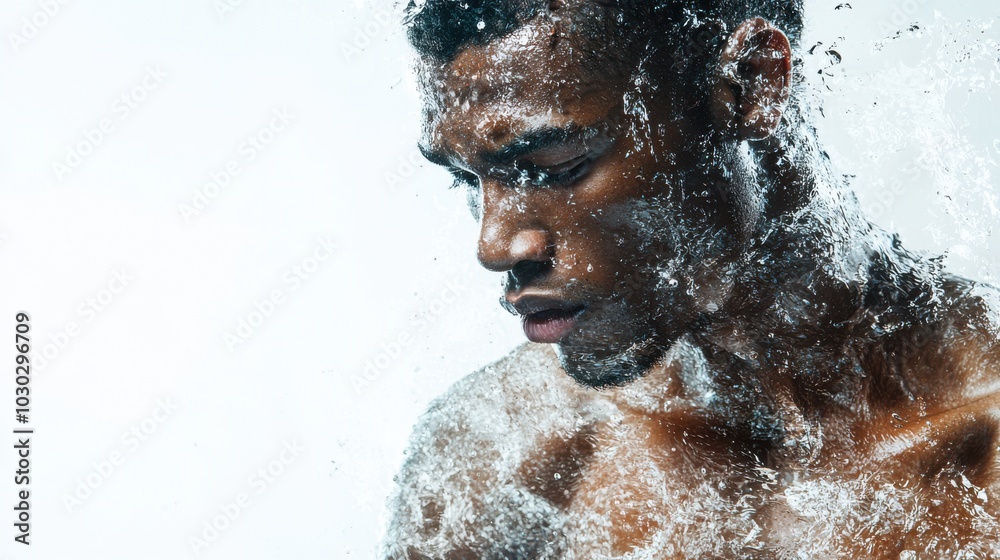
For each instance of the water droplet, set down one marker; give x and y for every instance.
(673, 282)
(590, 268)
(481, 25)
(557, 476)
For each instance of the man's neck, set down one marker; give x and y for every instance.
(818, 292)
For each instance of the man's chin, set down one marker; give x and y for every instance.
(608, 369)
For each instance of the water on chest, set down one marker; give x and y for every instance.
(638, 502)
(655, 517)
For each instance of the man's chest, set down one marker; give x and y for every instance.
(638, 494)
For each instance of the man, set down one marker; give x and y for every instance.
(729, 360)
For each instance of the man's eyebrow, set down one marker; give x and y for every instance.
(527, 143)
(533, 141)
(434, 157)
(444, 161)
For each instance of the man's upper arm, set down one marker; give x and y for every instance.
(454, 463)
(413, 507)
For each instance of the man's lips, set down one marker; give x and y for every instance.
(545, 319)
(550, 326)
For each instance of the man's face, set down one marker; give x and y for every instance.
(589, 198)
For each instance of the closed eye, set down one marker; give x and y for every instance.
(562, 174)
(462, 178)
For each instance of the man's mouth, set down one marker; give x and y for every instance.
(550, 326)
(546, 317)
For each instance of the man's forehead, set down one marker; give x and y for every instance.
(489, 95)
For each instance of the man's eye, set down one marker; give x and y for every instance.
(463, 179)
(563, 174)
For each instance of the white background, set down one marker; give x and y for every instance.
(403, 268)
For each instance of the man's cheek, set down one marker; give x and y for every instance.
(630, 283)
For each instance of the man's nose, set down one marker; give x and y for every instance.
(501, 253)
(511, 236)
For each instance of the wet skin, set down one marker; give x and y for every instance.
(721, 380)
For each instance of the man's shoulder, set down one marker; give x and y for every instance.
(461, 474)
(955, 347)
(525, 371)
(971, 333)
(497, 399)
(973, 304)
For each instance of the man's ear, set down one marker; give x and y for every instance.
(754, 81)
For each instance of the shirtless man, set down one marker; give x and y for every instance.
(728, 359)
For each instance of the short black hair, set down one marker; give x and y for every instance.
(440, 29)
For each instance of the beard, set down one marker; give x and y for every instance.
(609, 361)
(606, 372)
